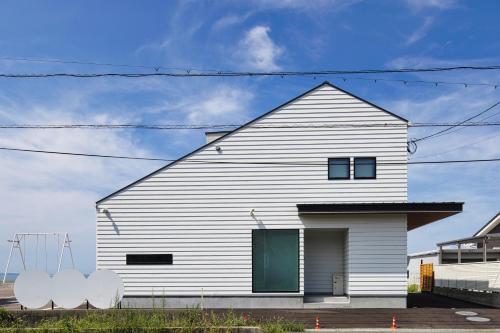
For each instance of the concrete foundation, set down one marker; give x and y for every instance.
(215, 302)
(259, 302)
(378, 302)
(479, 297)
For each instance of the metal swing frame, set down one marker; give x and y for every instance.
(21, 238)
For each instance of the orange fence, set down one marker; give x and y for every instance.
(426, 277)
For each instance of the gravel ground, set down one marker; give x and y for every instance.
(7, 299)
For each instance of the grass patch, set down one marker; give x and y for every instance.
(413, 288)
(133, 320)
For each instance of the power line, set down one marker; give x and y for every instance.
(460, 127)
(491, 116)
(444, 131)
(85, 155)
(460, 147)
(234, 162)
(455, 161)
(227, 126)
(428, 82)
(76, 62)
(157, 68)
(189, 73)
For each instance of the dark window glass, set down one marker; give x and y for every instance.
(150, 259)
(338, 168)
(365, 167)
(275, 260)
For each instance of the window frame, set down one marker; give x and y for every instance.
(348, 168)
(374, 167)
(298, 264)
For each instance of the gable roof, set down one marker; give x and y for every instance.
(490, 225)
(325, 83)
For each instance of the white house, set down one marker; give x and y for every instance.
(303, 206)
(491, 227)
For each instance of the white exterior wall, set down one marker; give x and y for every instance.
(323, 256)
(475, 276)
(200, 212)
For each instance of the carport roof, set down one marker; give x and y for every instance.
(418, 213)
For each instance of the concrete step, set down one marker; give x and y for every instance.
(325, 299)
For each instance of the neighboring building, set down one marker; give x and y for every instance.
(305, 206)
(491, 227)
(471, 250)
(416, 259)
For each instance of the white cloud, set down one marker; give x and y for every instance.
(229, 21)
(222, 105)
(418, 5)
(183, 24)
(45, 193)
(409, 61)
(258, 50)
(420, 32)
(333, 5)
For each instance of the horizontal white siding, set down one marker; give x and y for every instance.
(200, 212)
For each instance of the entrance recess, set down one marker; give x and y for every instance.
(324, 262)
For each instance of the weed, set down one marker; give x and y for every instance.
(413, 288)
(130, 320)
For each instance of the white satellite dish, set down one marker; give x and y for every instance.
(104, 289)
(33, 288)
(69, 288)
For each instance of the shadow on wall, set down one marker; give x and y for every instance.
(260, 224)
(115, 226)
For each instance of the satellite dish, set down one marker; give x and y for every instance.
(104, 289)
(69, 288)
(33, 288)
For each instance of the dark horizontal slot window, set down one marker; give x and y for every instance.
(365, 168)
(338, 168)
(150, 259)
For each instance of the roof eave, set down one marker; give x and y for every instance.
(418, 214)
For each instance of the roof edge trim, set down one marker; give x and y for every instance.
(385, 207)
(487, 227)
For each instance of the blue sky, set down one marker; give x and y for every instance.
(48, 193)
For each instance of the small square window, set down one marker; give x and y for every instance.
(338, 168)
(365, 168)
